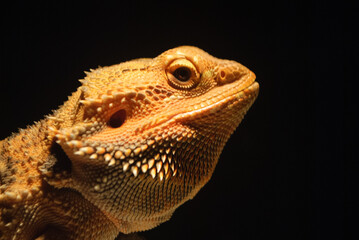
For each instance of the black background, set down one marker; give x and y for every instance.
(290, 171)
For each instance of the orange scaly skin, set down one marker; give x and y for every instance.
(132, 144)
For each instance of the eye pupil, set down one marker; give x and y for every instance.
(183, 74)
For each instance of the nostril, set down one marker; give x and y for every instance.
(223, 74)
(117, 119)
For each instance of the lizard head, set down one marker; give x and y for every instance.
(149, 132)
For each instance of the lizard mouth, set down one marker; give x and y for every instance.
(244, 97)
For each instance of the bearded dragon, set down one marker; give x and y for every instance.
(132, 144)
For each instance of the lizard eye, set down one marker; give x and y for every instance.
(182, 74)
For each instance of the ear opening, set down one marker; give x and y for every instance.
(117, 119)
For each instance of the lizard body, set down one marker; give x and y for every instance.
(133, 143)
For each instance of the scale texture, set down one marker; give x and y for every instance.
(133, 143)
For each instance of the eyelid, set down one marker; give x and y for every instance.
(183, 62)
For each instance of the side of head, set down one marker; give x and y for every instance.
(150, 131)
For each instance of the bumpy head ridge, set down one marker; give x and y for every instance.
(150, 131)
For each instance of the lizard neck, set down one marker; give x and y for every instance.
(21, 155)
(27, 156)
